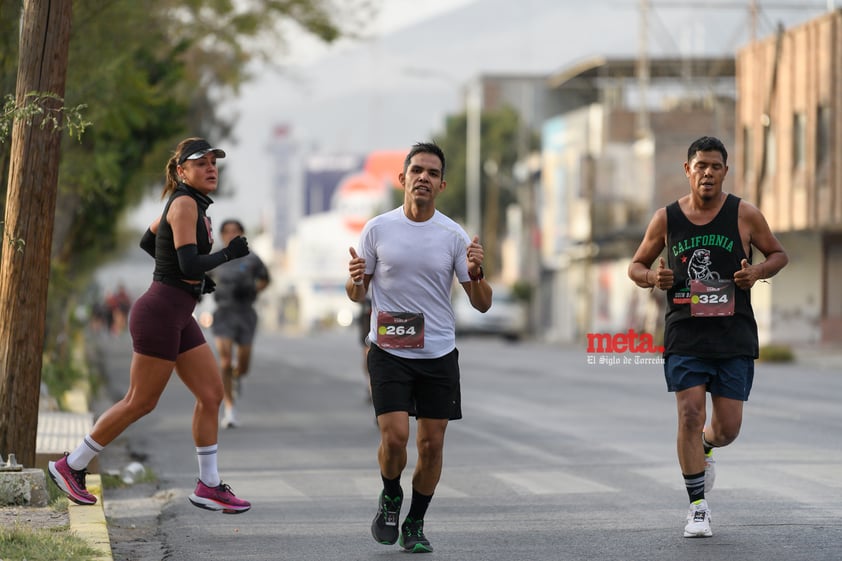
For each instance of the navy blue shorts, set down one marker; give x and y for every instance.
(162, 324)
(726, 377)
(423, 387)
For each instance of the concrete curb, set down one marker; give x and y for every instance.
(88, 521)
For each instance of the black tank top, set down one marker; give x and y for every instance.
(166, 258)
(713, 250)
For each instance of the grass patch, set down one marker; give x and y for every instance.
(776, 353)
(58, 500)
(60, 503)
(20, 543)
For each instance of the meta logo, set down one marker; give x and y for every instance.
(629, 342)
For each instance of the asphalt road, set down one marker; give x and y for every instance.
(556, 459)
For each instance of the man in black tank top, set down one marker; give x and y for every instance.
(710, 335)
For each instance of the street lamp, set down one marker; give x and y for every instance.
(473, 115)
(473, 111)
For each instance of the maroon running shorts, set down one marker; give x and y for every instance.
(161, 322)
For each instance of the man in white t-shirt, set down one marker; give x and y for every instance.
(407, 258)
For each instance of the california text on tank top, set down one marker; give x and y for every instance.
(709, 251)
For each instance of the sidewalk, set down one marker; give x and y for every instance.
(825, 356)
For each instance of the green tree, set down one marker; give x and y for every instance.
(502, 142)
(150, 73)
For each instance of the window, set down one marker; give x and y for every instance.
(822, 135)
(770, 155)
(799, 140)
(747, 153)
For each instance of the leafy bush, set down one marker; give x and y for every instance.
(60, 377)
(776, 353)
(522, 291)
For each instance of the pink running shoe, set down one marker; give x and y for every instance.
(71, 481)
(218, 498)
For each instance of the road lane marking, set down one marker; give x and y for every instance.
(552, 482)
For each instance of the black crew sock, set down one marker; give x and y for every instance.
(695, 486)
(392, 487)
(418, 507)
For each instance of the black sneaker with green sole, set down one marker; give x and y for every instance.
(384, 527)
(412, 537)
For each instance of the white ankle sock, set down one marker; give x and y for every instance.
(87, 450)
(208, 470)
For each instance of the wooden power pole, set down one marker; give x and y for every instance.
(30, 213)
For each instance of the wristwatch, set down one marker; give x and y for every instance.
(479, 277)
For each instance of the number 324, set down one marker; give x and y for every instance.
(712, 298)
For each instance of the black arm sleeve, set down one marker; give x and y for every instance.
(194, 265)
(147, 242)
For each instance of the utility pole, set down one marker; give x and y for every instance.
(473, 164)
(752, 13)
(30, 212)
(754, 8)
(643, 71)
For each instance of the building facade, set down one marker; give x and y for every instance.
(608, 161)
(788, 162)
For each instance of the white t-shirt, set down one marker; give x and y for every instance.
(413, 264)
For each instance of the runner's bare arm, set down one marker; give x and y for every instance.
(761, 237)
(477, 289)
(357, 284)
(182, 217)
(479, 293)
(654, 241)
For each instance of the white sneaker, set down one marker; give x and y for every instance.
(229, 420)
(698, 520)
(710, 471)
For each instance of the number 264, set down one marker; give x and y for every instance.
(400, 330)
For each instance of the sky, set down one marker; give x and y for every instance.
(257, 99)
(396, 88)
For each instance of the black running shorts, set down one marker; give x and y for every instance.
(238, 323)
(423, 387)
(161, 322)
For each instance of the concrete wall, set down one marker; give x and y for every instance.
(788, 162)
(789, 308)
(780, 81)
